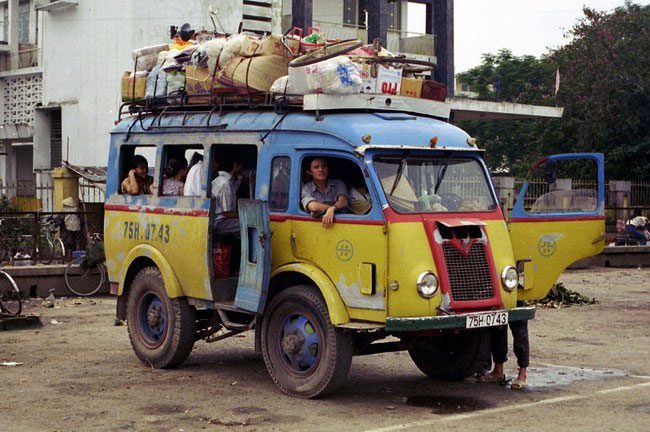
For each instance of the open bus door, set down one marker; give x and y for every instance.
(255, 262)
(558, 219)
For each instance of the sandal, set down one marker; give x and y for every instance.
(518, 384)
(490, 378)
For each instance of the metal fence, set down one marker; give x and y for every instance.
(640, 194)
(27, 195)
(22, 233)
(90, 193)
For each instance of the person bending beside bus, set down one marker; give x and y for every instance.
(323, 195)
(224, 190)
(138, 181)
(499, 349)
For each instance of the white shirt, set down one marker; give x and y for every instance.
(638, 221)
(194, 179)
(224, 189)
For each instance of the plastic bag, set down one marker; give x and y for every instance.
(94, 255)
(147, 57)
(338, 75)
(175, 82)
(232, 48)
(156, 84)
(213, 49)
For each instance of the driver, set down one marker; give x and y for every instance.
(321, 194)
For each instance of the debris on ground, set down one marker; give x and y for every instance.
(560, 296)
(49, 300)
(10, 363)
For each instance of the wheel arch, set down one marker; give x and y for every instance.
(301, 274)
(144, 256)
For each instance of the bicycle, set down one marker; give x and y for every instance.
(85, 274)
(50, 247)
(22, 247)
(11, 299)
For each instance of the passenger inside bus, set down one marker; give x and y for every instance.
(322, 195)
(224, 190)
(233, 174)
(138, 181)
(192, 186)
(174, 176)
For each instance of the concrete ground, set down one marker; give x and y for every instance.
(589, 371)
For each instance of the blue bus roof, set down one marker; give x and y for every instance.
(385, 128)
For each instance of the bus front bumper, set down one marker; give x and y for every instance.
(450, 322)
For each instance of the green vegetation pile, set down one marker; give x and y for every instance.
(560, 296)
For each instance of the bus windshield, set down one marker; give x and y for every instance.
(415, 184)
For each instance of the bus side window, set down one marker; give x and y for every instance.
(175, 167)
(137, 168)
(280, 179)
(342, 170)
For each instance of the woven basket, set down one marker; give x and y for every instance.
(253, 74)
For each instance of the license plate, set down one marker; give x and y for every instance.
(489, 319)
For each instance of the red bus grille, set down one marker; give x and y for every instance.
(469, 277)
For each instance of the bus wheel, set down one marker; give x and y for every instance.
(449, 357)
(304, 353)
(161, 329)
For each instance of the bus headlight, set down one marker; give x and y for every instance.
(510, 278)
(427, 284)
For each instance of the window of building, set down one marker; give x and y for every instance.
(4, 23)
(280, 180)
(23, 22)
(417, 17)
(355, 12)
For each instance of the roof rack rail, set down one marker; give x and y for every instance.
(279, 103)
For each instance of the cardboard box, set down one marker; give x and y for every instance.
(411, 87)
(389, 81)
(200, 85)
(423, 89)
(133, 89)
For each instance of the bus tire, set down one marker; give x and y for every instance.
(304, 353)
(161, 329)
(451, 357)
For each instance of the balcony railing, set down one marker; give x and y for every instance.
(28, 56)
(398, 40)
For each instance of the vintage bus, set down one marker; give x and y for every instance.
(424, 251)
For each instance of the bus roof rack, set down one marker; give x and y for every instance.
(379, 102)
(281, 103)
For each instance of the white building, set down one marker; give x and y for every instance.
(61, 62)
(20, 92)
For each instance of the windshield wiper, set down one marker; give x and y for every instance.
(398, 176)
(441, 175)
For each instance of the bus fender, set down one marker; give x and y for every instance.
(337, 311)
(172, 287)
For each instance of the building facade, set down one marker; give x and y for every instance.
(61, 61)
(21, 89)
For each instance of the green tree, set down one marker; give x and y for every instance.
(514, 144)
(606, 88)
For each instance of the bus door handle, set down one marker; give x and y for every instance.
(293, 243)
